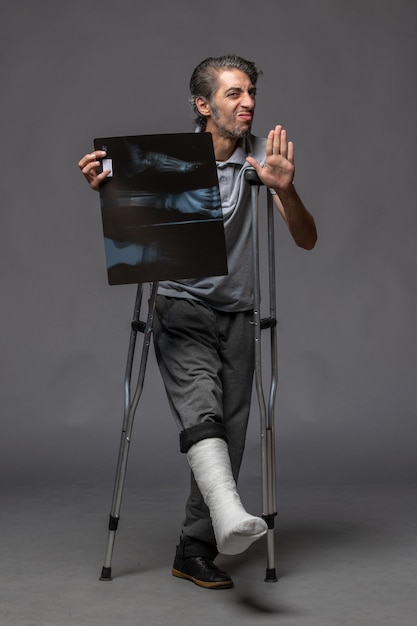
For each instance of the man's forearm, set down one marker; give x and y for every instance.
(300, 221)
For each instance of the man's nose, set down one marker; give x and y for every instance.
(248, 100)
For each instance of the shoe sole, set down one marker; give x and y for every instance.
(225, 584)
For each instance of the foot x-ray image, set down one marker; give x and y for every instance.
(161, 208)
(142, 161)
(193, 203)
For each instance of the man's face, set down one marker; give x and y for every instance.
(232, 106)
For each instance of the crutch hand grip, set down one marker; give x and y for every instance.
(252, 177)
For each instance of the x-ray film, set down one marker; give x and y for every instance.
(161, 208)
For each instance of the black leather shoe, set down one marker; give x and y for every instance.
(202, 572)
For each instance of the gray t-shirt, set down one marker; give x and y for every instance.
(233, 292)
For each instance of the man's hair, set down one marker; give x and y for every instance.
(203, 83)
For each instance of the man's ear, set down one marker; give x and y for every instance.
(203, 106)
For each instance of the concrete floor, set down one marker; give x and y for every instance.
(345, 556)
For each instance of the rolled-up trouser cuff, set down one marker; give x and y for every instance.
(206, 430)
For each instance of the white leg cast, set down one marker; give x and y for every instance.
(234, 528)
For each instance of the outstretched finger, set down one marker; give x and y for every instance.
(269, 148)
(276, 135)
(283, 143)
(290, 155)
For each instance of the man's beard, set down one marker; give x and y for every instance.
(227, 132)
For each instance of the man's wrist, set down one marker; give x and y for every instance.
(286, 192)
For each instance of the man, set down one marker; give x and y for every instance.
(203, 334)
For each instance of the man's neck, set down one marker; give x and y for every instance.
(223, 147)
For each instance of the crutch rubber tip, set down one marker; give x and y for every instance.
(271, 576)
(106, 574)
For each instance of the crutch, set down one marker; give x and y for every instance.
(267, 416)
(130, 406)
(266, 411)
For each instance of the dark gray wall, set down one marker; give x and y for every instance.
(341, 77)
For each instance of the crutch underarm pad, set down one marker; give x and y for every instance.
(206, 430)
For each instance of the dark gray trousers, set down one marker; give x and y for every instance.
(206, 361)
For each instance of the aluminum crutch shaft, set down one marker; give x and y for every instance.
(266, 409)
(130, 406)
